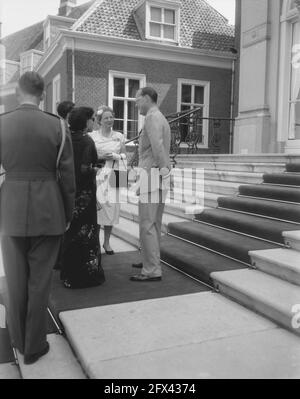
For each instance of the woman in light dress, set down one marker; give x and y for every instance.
(111, 151)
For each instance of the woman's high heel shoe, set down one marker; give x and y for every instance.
(108, 252)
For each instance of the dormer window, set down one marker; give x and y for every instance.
(162, 21)
(159, 20)
(29, 59)
(26, 62)
(162, 24)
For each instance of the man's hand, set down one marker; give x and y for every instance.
(68, 226)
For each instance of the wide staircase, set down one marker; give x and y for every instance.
(242, 237)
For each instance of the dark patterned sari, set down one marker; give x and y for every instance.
(81, 266)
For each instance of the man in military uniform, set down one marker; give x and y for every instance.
(35, 211)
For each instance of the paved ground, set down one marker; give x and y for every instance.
(200, 335)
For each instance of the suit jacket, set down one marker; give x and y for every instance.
(154, 149)
(32, 202)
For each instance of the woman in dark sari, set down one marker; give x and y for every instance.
(81, 253)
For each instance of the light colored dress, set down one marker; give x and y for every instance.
(109, 212)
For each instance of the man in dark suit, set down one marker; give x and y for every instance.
(35, 211)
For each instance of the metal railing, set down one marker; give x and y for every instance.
(191, 133)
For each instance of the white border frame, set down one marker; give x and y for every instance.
(120, 74)
(206, 85)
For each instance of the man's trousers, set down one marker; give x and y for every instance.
(151, 208)
(28, 265)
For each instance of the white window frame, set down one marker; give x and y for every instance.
(289, 16)
(206, 85)
(47, 34)
(111, 97)
(26, 66)
(163, 6)
(56, 94)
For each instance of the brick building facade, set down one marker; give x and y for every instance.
(103, 52)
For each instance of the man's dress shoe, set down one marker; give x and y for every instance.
(30, 359)
(137, 265)
(142, 278)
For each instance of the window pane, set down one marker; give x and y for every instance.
(132, 110)
(118, 107)
(156, 14)
(132, 129)
(134, 86)
(199, 94)
(186, 95)
(119, 87)
(154, 30)
(119, 125)
(169, 32)
(170, 16)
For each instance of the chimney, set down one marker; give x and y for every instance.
(66, 6)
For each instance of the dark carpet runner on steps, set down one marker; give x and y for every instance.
(118, 288)
(262, 207)
(253, 225)
(293, 167)
(290, 179)
(240, 215)
(280, 193)
(231, 244)
(197, 262)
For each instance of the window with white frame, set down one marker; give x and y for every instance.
(191, 95)
(122, 91)
(162, 22)
(55, 93)
(26, 62)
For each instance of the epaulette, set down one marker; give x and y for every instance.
(49, 113)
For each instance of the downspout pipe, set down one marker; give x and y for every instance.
(73, 71)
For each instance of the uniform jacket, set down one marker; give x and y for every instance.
(154, 149)
(32, 202)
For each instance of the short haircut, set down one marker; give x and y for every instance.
(64, 108)
(150, 92)
(31, 83)
(78, 118)
(102, 109)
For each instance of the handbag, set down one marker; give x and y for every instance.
(118, 178)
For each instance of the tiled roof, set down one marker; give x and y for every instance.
(32, 36)
(23, 40)
(201, 25)
(78, 11)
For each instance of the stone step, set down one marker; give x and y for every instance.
(292, 239)
(9, 371)
(183, 210)
(192, 189)
(58, 363)
(282, 263)
(220, 175)
(255, 167)
(241, 158)
(180, 209)
(270, 296)
(131, 212)
(128, 231)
